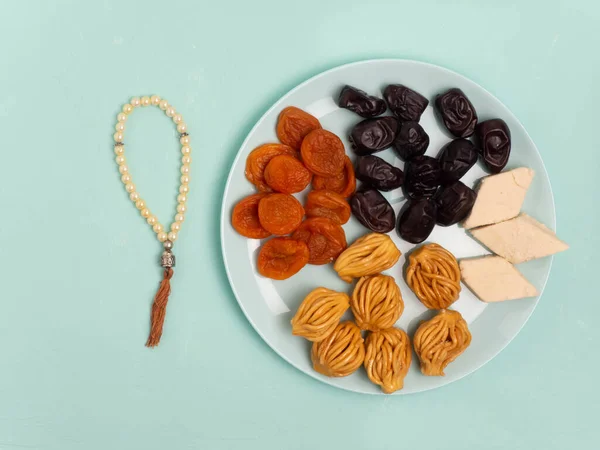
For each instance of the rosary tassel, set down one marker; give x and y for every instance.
(159, 309)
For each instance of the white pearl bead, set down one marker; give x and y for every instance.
(181, 198)
(135, 102)
(127, 108)
(182, 127)
(185, 169)
(155, 100)
(186, 150)
(151, 220)
(162, 236)
(134, 196)
(120, 159)
(179, 218)
(181, 208)
(123, 169)
(172, 236)
(118, 136)
(126, 178)
(119, 149)
(145, 212)
(185, 179)
(175, 226)
(187, 159)
(120, 126)
(163, 105)
(145, 100)
(122, 117)
(183, 189)
(140, 204)
(185, 140)
(157, 227)
(170, 111)
(130, 187)
(177, 118)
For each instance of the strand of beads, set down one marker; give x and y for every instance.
(167, 237)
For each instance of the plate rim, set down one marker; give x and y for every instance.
(224, 218)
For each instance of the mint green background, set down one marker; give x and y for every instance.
(78, 265)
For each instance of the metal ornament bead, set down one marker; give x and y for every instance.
(168, 245)
(167, 260)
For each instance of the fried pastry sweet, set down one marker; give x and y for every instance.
(376, 302)
(440, 341)
(387, 359)
(319, 314)
(340, 353)
(434, 276)
(368, 255)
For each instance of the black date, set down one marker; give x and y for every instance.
(493, 137)
(456, 158)
(422, 177)
(373, 210)
(378, 173)
(416, 223)
(406, 104)
(457, 113)
(360, 102)
(411, 140)
(454, 203)
(373, 135)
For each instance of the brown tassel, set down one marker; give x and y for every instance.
(159, 309)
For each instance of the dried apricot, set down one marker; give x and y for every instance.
(286, 174)
(280, 213)
(293, 124)
(323, 153)
(344, 183)
(282, 257)
(245, 218)
(325, 239)
(328, 204)
(259, 158)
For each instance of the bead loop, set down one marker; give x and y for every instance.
(165, 235)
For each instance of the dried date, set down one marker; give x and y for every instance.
(422, 177)
(377, 173)
(416, 222)
(373, 210)
(411, 140)
(454, 202)
(456, 158)
(493, 137)
(406, 104)
(373, 135)
(457, 113)
(360, 102)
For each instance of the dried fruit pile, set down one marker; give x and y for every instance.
(306, 153)
(432, 185)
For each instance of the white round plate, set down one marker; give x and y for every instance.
(269, 305)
